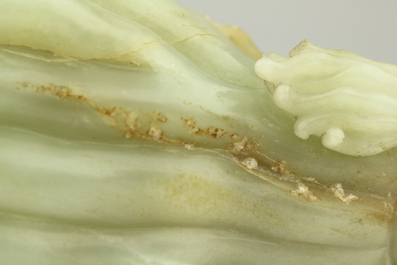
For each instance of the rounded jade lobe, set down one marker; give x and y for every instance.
(349, 101)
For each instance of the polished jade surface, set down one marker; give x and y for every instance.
(142, 132)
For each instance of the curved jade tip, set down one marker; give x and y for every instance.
(347, 100)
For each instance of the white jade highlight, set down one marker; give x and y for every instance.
(282, 95)
(347, 100)
(333, 137)
(267, 67)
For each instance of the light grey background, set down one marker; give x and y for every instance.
(365, 27)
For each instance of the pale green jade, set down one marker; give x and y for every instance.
(137, 132)
(348, 100)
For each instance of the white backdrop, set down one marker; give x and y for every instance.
(365, 27)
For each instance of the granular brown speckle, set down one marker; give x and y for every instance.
(155, 133)
(160, 117)
(210, 131)
(61, 92)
